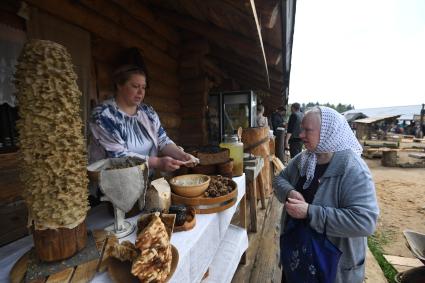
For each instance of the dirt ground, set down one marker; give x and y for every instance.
(401, 197)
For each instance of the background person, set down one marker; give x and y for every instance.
(125, 126)
(293, 142)
(278, 119)
(329, 188)
(261, 120)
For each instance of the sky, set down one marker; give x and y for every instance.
(367, 53)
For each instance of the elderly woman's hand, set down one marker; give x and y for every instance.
(296, 208)
(296, 195)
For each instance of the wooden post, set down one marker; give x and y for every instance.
(57, 244)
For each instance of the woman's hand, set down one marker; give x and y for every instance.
(166, 163)
(296, 208)
(190, 160)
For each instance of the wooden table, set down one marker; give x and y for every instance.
(252, 169)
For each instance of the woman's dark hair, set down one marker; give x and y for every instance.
(129, 62)
(123, 74)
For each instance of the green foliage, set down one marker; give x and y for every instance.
(375, 243)
(339, 107)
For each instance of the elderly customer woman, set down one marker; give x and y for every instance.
(125, 126)
(329, 201)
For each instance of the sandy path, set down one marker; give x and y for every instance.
(401, 197)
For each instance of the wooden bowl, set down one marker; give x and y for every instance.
(191, 185)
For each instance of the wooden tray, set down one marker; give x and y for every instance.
(121, 271)
(82, 273)
(189, 223)
(205, 205)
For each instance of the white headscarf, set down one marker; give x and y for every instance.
(335, 135)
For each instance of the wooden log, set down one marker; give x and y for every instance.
(100, 26)
(13, 221)
(10, 183)
(198, 47)
(120, 17)
(389, 158)
(161, 104)
(57, 244)
(140, 11)
(190, 73)
(190, 61)
(106, 68)
(197, 85)
(199, 99)
(170, 120)
(243, 46)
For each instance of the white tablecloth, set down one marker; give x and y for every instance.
(196, 247)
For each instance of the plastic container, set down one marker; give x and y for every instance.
(235, 147)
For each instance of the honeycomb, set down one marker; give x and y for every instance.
(52, 147)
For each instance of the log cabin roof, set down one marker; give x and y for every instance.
(237, 42)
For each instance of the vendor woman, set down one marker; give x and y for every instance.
(125, 126)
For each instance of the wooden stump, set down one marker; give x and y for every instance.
(256, 141)
(389, 158)
(58, 244)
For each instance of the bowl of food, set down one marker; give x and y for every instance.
(190, 185)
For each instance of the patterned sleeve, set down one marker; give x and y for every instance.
(105, 130)
(163, 139)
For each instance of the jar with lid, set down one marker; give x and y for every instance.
(235, 147)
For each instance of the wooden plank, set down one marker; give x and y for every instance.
(61, 277)
(266, 263)
(404, 261)
(100, 26)
(85, 272)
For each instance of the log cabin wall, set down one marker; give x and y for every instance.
(115, 26)
(198, 75)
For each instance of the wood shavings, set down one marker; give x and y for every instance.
(52, 147)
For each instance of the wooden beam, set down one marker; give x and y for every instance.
(268, 11)
(252, 76)
(260, 39)
(120, 17)
(232, 58)
(141, 12)
(100, 26)
(253, 68)
(243, 46)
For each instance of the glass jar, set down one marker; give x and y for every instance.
(236, 153)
